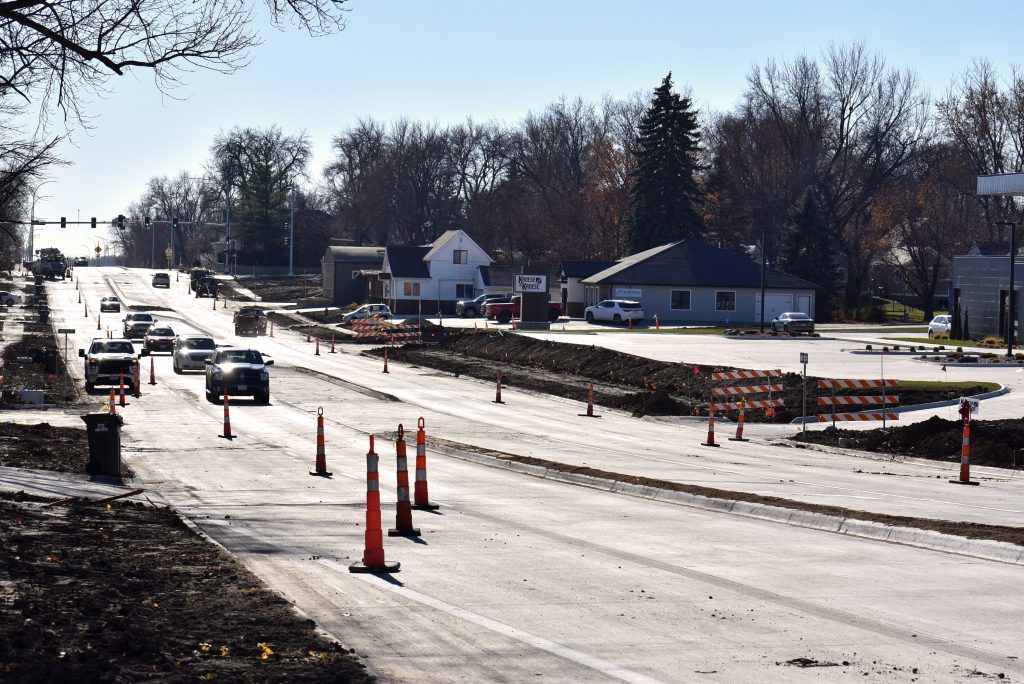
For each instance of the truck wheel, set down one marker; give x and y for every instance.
(617, 319)
(590, 317)
(89, 386)
(553, 315)
(504, 317)
(469, 312)
(175, 366)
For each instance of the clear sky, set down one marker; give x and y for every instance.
(448, 60)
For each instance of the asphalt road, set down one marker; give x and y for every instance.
(518, 578)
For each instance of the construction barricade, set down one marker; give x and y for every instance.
(742, 395)
(834, 400)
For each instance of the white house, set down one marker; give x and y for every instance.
(432, 278)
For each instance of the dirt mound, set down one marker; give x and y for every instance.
(658, 403)
(992, 442)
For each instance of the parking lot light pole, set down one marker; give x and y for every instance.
(803, 412)
(1011, 314)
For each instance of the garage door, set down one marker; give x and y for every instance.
(774, 304)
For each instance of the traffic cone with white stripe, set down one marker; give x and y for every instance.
(385, 360)
(152, 371)
(497, 388)
(590, 403)
(227, 417)
(135, 379)
(321, 456)
(98, 322)
(739, 425)
(121, 390)
(308, 339)
(965, 447)
(373, 550)
(332, 344)
(317, 352)
(403, 510)
(112, 403)
(271, 327)
(711, 430)
(421, 501)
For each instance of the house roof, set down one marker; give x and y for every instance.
(408, 262)
(444, 238)
(584, 269)
(498, 276)
(693, 262)
(347, 253)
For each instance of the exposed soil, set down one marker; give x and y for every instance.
(121, 592)
(992, 441)
(305, 291)
(623, 381)
(44, 447)
(58, 388)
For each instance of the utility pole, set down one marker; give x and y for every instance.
(762, 280)
(291, 232)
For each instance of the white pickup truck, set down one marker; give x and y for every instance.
(107, 359)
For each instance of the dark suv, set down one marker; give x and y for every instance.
(243, 372)
(250, 320)
(469, 308)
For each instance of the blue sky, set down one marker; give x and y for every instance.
(447, 60)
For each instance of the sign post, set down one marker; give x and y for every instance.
(65, 332)
(803, 411)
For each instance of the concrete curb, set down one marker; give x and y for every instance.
(865, 529)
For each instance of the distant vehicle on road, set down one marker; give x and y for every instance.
(239, 371)
(208, 286)
(468, 308)
(793, 321)
(81, 261)
(616, 311)
(940, 325)
(158, 338)
(9, 298)
(367, 311)
(161, 280)
(195, 277)
(503, 312)
(190, 352)
(111, 304)
(250, 320)
(107, 361)
(137, 324)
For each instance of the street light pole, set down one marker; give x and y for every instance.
(32, 222)
(1011, 319)
(762, 281)
(291, 232)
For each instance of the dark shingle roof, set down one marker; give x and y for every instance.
(407, 262)
(584, 269)
(695, 263)
(498, 276)
(362, 254)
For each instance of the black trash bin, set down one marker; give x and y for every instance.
(39, 288)
(104, 430)
(50, 359)
(44, 314)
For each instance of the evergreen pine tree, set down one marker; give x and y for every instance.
(664, 197)
(807, 249)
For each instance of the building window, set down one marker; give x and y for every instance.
(681, 300)
(463, 290)
(460, 256)
(410, 289)
(725, 300)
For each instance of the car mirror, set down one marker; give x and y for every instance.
(144, 352)
(208, 362)
(268, 362)
(81, 352)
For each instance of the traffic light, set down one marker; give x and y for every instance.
(63, 221)
(147, 222)
(285, 240)
(120, 221)
(93, 221)
(174, 223)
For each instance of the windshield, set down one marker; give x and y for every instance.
(797, 317)
(198, 343)
(112, 348)
(142, 318)
(241, 356)
(161, 332)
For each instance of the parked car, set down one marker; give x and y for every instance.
(250, 320)
(158, 338)
(9, 298)
(616, 311)
(108, 361)
(793, 321)
(469, 308)
(161, 280)
(190, 352)
(239, 371)
(110, 304)
(137, 324)
(940, 325)
(81, 261)
(504, 312)
(367, 311)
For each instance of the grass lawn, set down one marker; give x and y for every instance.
(940, 385)
(655, 331)
(948, 344)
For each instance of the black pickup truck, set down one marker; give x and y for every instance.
(250, 320)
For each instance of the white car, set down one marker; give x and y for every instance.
(940, 325)
(367, 311)
(190, 352)
(9, 298)
(614, 311)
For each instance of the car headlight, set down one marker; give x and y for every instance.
(264, 375)
(217, 373)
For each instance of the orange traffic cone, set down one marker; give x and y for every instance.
(332, 344)
(317, 352)
(421, 501)
(373, 551)
(385, 360)
(739, 424)
(711, 430)
(271, 327)
(136, 379)
(497, 388)
(227, 418)
(98, 322)
(965, 448)
(590, 404)
(112, 403)
(321, 456)
(403, 510)
(307, 334)
(152, 372)
(121, 383)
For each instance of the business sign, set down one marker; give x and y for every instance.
(629, 292)
(529, 283)
(65, 331)
(975, 405)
